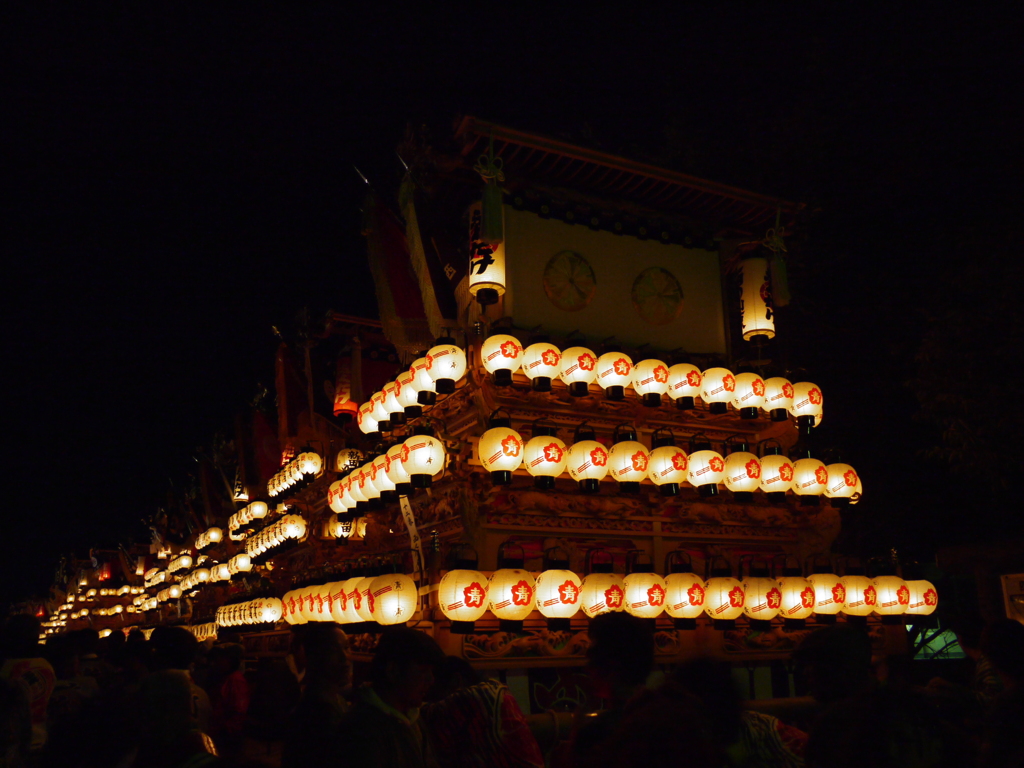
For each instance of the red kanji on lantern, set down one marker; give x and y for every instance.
(639, 460)
(930, 597)
(850, 478)
(839, 593)
(717, 464)
(553, 452)
(522, 593)
(903, 595)
(774, 598)
(693, 378)
(807, 597)
(656, 595)
(550, 357)
(814, 396)
(753, 468)
(511, 446)
(474, 595)
(621, 366)
(787, 391)
(509, 349)
(729, 383)
(870, 596)
(696, 594)
(568, 593)
(586, 361)
(786, 472)
(599, 457)
(661, 373)
(613, 596)
(758, 386)
(736, 597)
(369, 600)
(679, 462)
(821, 475)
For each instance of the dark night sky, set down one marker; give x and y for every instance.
(178, 183)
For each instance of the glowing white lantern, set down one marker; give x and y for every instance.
(807, 404)
(684, 598)
(511, 592)
(310, 465)
(762, 598)
(578, 370)
(684, 384)
(757, 313)
(645, 594)
(742, 474)
(365, 607)
(268, 610)
(396, 412)
(486, 262)
(407, 394)
(798, 597)
(614, 374)
(723, 597)
(394, 468)
(717, 388)
(501, 356)
(446, 364)
(337, 601)
(501, 451)
(380, 412)
(748, 396)
(829, 594)
(650, 381)
(628, 463)
(353, 600)
(923, 598)
(705, 470)
(365, 420)
(356, 486)
(778, 398)
(541, 362)
(892, 597)
(776, 475)
(810, 477)
(394, 598)
(222, 572)
(381, 481)
(240, 563)
(602, 593)
(423, 382)
(558, 596)
(174, 591)
(334, 496)
(587, 462)
(841, 483)
(667, 466)
(462, 597)
(861, 595)
(545, 457)
(425, 459)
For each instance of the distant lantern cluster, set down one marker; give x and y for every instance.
(210, 536)
(246, 516)
(286, 528)
(263, 610)
(386, 599)
(296, 474)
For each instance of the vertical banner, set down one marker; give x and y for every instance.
(415, 543)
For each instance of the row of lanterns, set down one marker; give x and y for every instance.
(247, 515)
(263, 610)
(502, 450)
(203, 632)
(180, 563)
(154, 576)
(209, 537)
(287, 528)
(410, 464)
(195, 579)
(386, 599)
(295, 475)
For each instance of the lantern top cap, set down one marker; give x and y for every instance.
(678, 561)
(627, 434)
(583, 432)
(540, 429)
(700, 442)
(660, 439)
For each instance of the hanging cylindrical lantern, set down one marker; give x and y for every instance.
(364, 419)
(602, 591)
(776, 473)
(370, 491)
(717, 388)
(558, 591)
(810, 477)
(807, 405)
(310, 464)
(614, 374)
(425, 460)
(500, 449)
(353, 599)
(268, 610)
(395, 597)
(645, 591)
(486, 259)
(684, 598)
(684, 384)
(446, 364)
(797, 595)
(408, 393)
(666, 465)
(365, 606)
(650, 381)
(501, 355)
(511, 592)
(742, 472)
(757, 313)
(892, 598)
(923, 598)
(337, 601)
(462, 595)
(587, 461)
(723, 596)
(356, 484)
(545, 456)
(705, 467)
(748, 396)
(395, 410)
(334, 494)
(627, 460)
(829, 595)
(380, 412)
(762, 598)
(394, 466)
(861, 595)
(778, 398)
(381, 481)
(541, 362)
(422, 381)
(578, 370)
(841, 484)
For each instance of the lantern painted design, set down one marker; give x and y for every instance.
(334, 496)
(446, 364)
(395, 410)
(408, 394)
(861, 595)
(923, 598)
(717, 388)
(628, 462)
(723, 598)
(829, 593)
(501, 452)
(578, 370)
(462, 595)
(650, 381)
(425, 460)
(558, 594)
(501, 356)
(841, 483)
(379, 412)
(379, 478)
(748, 397)
(684, 384)
(667, 467)
(777, 474)
(365, 605)
(394, 466)
(756, 311)
(337, 601)
(892, 596)
(512, 594)
(422, 382)
(684, 598)
(545, 457)
(602, 593)
(742, 472)
(542, 362)
(486, 261)
(587, 463)
(797, 597)
(394, 598)
(353, 600)
(365, 420)
(810, 477)
(762, 598)
(614, 374)
(645, 594)
(706, 469)
(807, 404)
(778, 398)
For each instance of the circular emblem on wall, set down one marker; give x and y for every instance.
(657, 296)
(569, 281)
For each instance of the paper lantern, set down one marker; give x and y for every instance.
(810, 478)
(408, 393)
(861, 595)
(578, 370)
(381, 481)
(628, 462)
(778, 398)
(337, 602)
(174, 591)
(500, 450)
(798, 597)
(829, 594)
(923, 598)
(269, 610)
(446, 364)
(424, 461)
(365, 605)
(807, 405)
(422, 381)
(545, 457)
(645, 594)
(310, 464)
(462, 597)
(222, 572)
(334, 496)
(762, 598)
(395, 410)
(756, 310)
(558, 595)
(353, 600)
(742, 474)
(501, 356)
(776, 475)
(892, 598)
(650, 381)
(380, 412)
(394, 467)
(748, 397)
(587, 463)
(511, 592)
(723, 598)
(365, 420)
(602, 593)
(684, 597)
(705, 469)
(684, 384)
(395, 598)
(667, 465)
(240, 563)
(841, 483)
(614, 374)
(717, 388)
(541, 362)
(486, 261)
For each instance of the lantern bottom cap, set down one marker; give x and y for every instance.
(684, 623)
(629, 487)
(779, 414)
(579, 389)
(590, 485)
(444, 386)
(685, 404)
(424, 397)
(743, 496)
(805, 424)
(810, 501)
(544, 482)
(420, 481)
(510, 625)
(502, 378)
(384, 425)
(760, 625)
(559, 625)
(403, 489)
(485, 297)
(397, 417)
(344, 417)
(894, 619)
(776, 497)
(749, 413)
(615, 393)
(707, 491)
(825, 618)
(501, 477)
(652, 400)
(413, 411)
(668, 489)
(724, 625)
(542, 384)
(389, 497)
(792, 624)
(718, 408)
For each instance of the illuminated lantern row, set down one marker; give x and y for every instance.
(256, 510)
(209, 537)
(204, 631)
(295, 475)
(220, 572)
(180, 563)
(388, 599)
(389, 475)
(153, 577)
(287, 528)
(264, 610)
(240, 563)
(195, 579)
(705, 467)
(501, 356)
